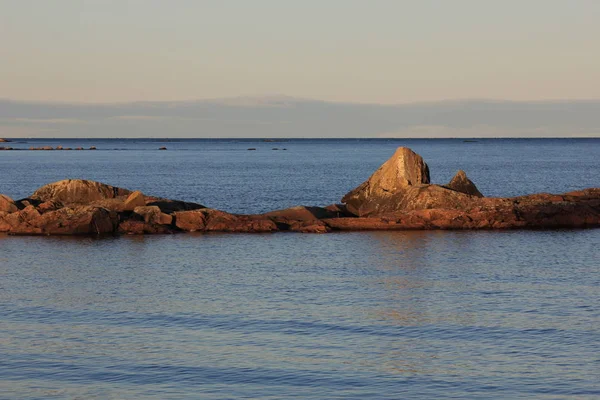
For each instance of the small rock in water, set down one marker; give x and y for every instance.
(162, 148)
(252, 148)
(462, 184)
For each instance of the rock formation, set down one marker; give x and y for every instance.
(398, 196)
(77, 191)
(405, 169)
(462, 184)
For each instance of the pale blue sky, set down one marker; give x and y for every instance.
(338, 50)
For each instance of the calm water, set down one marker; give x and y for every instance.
(345, 315)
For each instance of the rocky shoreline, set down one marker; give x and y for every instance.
(398, 196)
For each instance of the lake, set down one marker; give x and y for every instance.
(386, 315)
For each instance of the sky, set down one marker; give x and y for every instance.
(377, 51)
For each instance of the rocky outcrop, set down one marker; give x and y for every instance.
(78, 191)
(405, 169)
(398, 196)
(461, 183)
(83, 220)
(401, 184)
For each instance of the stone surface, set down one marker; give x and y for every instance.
(77, 191)
(404, 169)
(153, 215)
(82, 220)
(300, 219)
(211, 220)
(135, 199)
(462, 184)
(7, 204)
(190, 221)
(135, 227)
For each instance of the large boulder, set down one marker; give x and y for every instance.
(7, 204)
(78, 191)
(462, 184)
(404, 169)
(401, 184)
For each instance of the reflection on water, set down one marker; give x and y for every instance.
(349, 315)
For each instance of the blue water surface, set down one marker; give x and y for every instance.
(382, 315)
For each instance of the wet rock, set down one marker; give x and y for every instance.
(162, 148)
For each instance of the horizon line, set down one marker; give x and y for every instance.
(298, 99)
(269, 139)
